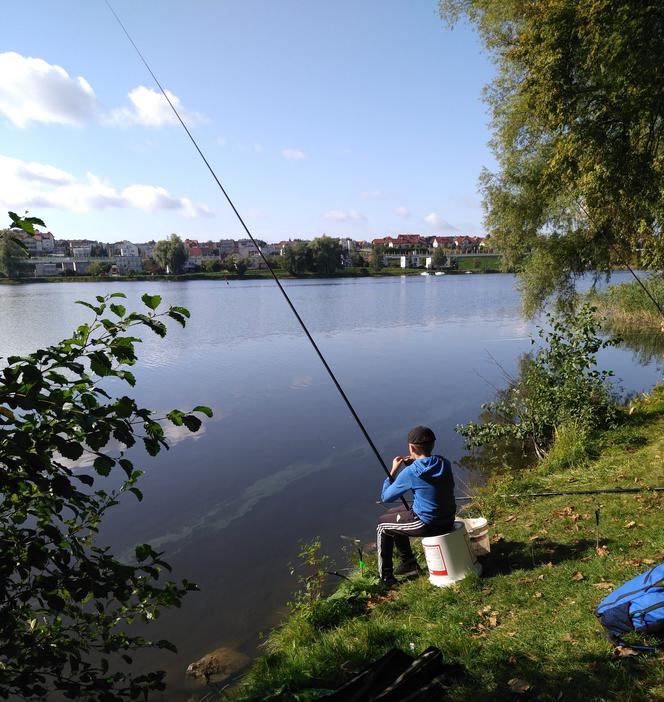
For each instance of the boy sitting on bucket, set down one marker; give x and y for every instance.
(433, 511)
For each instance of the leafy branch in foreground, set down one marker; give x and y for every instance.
(65, 600)
(559, 387)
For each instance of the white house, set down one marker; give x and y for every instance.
(128, 249)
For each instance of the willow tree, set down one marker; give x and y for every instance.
(577, 110)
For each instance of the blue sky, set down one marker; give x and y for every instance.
(349, 118)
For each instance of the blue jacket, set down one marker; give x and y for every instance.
(432, 483)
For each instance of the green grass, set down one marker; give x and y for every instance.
(531, 614)
(627, 306)
(479, 264)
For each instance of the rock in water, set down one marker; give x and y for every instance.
(218, 664)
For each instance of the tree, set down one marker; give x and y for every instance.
(212, 265)
(241, 265)
(13, 255)
(326, 253)
(578, 133)
(439, 258)
(98, 268)
(298, 258)
(65, 600)
(171, 254)
(377, 253)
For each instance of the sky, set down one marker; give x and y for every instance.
(349, 118)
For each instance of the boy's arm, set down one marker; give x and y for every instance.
(393, 491)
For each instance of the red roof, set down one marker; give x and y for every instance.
(195, 251)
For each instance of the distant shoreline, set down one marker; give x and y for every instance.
(262, 275)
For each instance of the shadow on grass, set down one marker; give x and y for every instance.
(508, 556)
(580, 678)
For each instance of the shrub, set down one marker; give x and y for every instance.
(559, 386)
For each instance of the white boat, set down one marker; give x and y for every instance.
(439, 273)
(425, 273)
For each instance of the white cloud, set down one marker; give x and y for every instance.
(344, 216)
(150, 109)
(402, 212)
(294, 155)
(372, 193)
(32, 90)
(435, 221)
(32, 186)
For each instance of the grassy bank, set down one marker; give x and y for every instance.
(479, 264)
(628, 307)
(530, 617)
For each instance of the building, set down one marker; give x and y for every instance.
(126, 248)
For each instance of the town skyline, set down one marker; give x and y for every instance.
(361, 142)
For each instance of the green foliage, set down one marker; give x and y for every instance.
(439, 258)
(212, 266)
(312, 572)
(578, 135)
(297, 258)
(241, 265)
(98, 267)
(13, 255)
(171, 253)
(560, 389)
(27, 224)
(326, 255)
(66, 601)
(377, 253)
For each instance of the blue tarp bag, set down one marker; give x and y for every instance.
(638, 605)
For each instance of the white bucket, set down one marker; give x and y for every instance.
(478, 535)
(449, 557)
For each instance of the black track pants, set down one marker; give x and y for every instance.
(394, 529)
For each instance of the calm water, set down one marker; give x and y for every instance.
(282, 461)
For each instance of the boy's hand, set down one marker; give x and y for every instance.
(397, 463)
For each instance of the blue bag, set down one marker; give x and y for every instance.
(638, 605)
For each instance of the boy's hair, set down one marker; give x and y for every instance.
(424, 449)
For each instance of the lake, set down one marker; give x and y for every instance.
(282, 460)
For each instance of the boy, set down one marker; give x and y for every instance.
(433, 511)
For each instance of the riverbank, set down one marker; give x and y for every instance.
(249, 275)
(526, 628)
(627, 307)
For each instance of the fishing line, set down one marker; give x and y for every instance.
(261, 254)
(605, 491)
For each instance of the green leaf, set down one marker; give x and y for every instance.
(203, 409)
(120, 310)
(103, 465)
(143, 552)
(151, 301)
(117, 294)
(192, 423)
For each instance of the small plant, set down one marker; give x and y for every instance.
(316, 566)
(559, 386)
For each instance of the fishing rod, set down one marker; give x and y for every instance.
(350, 407)
(604, 491)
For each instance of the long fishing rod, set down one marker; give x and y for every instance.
(604, 491)
(258, 248)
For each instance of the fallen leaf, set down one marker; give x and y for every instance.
(512, 660)
(624, 652)
(487, 590)
(570, 639)
(578, 576)
(526, 580)
(602, 551)
(511, 518)
(540, 577)
(648, 561)
(630, 525)
(518, 686)
(537, 595)
(636, 544)
(604, 586)
(497, 538)
(493, 621)
(549, 565)
(585, 559)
